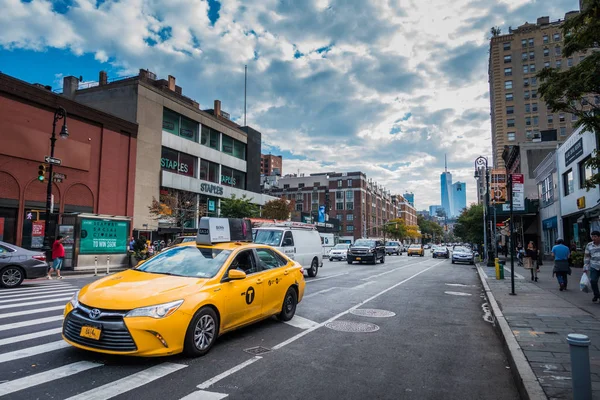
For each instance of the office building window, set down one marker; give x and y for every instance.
(349, 228)
(585, 172)
(507, 59)
(581, 58)
(525, 81)
(556, 37)
(568, 186)
(233, 177)
(569, 62)
(349, 195)
(546, 52)
(508, 96)
(300, 185)
(525, 69)
(584, 101)
(510, 123)
(349, 205)
(563, 131)
(550, 118)
(532, 55)
(507, 71)
(546, 39)
(506, 45)
(533, 81)
(510, 110)
(510, 136)
(526, 94)
(558, 64)
(180, 126)
(531, 67)
(209, 171)
(546, 188)
(546, 64)
(534, 107)
(177, 162)
(529, 134)
(339, 206)
(535, 120)
(349, 182)
(528, 121)
(524, 43)
(524, 55)
(210, 137)
(531, 42)
(534, 93)
(339, 195)
(286, 185)
(234, 147)
(561, 117)
(298, 206)
(508, 85)
(189, 129)
(573, 117)
(349, 217)
(527, 108)
(557, 51)
(339, 183)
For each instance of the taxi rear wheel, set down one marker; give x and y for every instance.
(288, 308)
(202, 332)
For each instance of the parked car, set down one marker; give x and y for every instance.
(18, 264)
(339, 252)
(415, 250)
(367, 250)
(393, 247)
(440, 252)
(462, 254)
(301, 244)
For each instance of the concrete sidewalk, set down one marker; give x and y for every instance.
(535, 323)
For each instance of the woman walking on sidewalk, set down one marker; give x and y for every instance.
(561, 263)
(532, 254)
(591, 263)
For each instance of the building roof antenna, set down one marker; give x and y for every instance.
(445, 163)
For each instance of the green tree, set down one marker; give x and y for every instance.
(576, 89)
(241, 207)
(469, 225)
(277, 209)
(396, 229)
(431, 228)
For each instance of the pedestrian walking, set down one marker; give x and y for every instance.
(591, 263)
(532, 255)
(131, 243)
(58, 257)
(561, 254)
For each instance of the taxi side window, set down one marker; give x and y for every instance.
(268, 259)
(288, 239)
(244, 261)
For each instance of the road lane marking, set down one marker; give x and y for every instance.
(327, 277)
(29, 336)
(30, 322)
(35, 303)
(24, 296)
(128, 383)
(33, 351)
(308, 296)
(301, 322)
(204, 395)
(32, 298)
(362, 285)
(392, 270)
(212, 381)
(223, 375)
(35, 311)
(458, 293)
(45, 377)
(5, 292)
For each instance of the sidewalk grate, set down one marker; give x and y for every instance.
(257, 350)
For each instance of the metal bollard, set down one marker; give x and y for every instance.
(107, 265)
(96, 266)
(580, 366)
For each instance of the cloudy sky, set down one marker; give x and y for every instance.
(386, 87)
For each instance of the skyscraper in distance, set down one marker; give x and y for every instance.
(446, 189)
(410, 197)
(459, 198)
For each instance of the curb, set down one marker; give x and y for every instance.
(527, 383)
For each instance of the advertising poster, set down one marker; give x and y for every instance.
(321, 214)
(498, 186)
(37, 234)
(518, 190)
(98, 236)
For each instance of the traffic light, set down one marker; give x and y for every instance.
(42, 172)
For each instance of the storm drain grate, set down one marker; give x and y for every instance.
(257, 350)
(372, 312)
(350, 326)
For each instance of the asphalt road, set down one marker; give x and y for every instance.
(421, 335)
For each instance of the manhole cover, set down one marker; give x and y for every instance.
(257, 350)
(350, 326)
(371, 312)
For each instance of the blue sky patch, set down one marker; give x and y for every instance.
(213, 11)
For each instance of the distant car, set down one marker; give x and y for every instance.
(415, 250)
(339, 252)
(427, 246)
(370, 250)
(440, 252)
(462, 254)
(18, 264)
(393, 247)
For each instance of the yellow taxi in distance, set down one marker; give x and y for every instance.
(416, 250)
(185, 297)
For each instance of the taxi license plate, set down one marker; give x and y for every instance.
(357, 258)
(90, 332)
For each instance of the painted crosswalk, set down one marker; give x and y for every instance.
(31, 345)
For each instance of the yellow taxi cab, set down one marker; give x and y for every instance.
(185, 297)
(416, 250)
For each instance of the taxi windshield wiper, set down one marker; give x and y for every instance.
(166, 273)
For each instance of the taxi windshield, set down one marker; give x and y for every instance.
(415, 246)
(268, 237)
(189, 261)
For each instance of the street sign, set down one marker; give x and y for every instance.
(53, 160)
(58, 175)
(518, 192)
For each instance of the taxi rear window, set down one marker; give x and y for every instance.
(189, 261)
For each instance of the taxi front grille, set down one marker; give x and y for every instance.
(114, 335)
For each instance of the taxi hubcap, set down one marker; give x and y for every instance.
(289, 304)
(11, 277)
(204, 332)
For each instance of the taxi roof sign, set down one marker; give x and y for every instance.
(222, 230)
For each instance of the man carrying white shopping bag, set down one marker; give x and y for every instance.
(591, 263)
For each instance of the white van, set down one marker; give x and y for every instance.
(327, 242)
(301, 244)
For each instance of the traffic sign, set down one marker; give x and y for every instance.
(58, 175)
(53, 160)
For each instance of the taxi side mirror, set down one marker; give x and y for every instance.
(236, 274)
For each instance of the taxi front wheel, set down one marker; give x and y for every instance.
(288, 309)
(202, 332)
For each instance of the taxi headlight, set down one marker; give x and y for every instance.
(75, 299)
(157, 311)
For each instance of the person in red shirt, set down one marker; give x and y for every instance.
(58, 257)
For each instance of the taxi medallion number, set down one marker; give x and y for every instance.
(90, 332)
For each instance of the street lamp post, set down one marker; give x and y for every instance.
(481, 164)
(59, 114)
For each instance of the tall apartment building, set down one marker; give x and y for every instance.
(271, 165)
(518, 113)
(360, 204)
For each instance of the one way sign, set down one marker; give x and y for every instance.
(53, 160)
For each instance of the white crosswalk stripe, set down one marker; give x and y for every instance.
(32, 351)
(28, 312)
(31, 322)
(35, 303)
(37, 293)
(29, 336)
(49, 296)
(33, 289)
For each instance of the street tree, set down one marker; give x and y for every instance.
(576, 90)
(469, 225)
(396, 229)
(277, 209)
(241, 207)
(175, 207)
(429, 228)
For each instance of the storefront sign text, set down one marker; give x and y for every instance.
(211, 189)
(174, 165)
(228, 180)
(574, 152)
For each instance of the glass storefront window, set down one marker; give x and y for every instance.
(227, 145)
(170, 121)
(189, 129)
(209, 171)
(239, 149)
(179, 163)
(233, 178)
(210, 137)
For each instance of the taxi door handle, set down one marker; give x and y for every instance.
(259, 281)
(286, 272)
